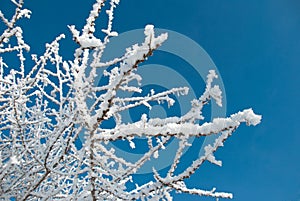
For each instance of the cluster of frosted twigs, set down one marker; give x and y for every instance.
(47, 102)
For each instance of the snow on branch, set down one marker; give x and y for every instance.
(142, 128)
(54, 141)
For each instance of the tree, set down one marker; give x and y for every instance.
(46, 103)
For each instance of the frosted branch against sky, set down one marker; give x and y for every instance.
(44, 109)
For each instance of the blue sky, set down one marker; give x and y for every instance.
(255, 46)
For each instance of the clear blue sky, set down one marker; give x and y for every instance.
(256, 47)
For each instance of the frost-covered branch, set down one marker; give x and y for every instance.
(54, 144)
